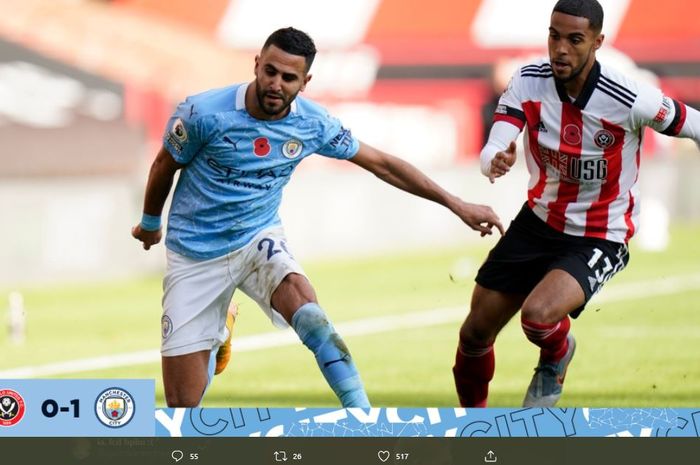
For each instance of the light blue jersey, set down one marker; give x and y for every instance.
(236, 167)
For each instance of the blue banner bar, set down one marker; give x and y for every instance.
(429, 422)
(126, 408)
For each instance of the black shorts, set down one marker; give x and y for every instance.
(531, 248)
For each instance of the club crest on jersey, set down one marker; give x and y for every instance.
(166, 326)
(12, 407)
(114, 407)
(572, 134)
(292, 149)
(604, 138)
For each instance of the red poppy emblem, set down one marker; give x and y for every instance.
(572, 134)
(261, 146)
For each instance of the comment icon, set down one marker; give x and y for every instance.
(177, 455)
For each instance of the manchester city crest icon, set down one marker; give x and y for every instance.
(12, 407)
(114, 407)
(292, 149)
(166, 326)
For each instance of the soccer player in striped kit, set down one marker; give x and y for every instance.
(583, 128)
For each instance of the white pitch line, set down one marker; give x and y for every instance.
(420, 319)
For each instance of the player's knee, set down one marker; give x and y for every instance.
(540, 313)
(182, 398)
(299, 285)
(479, 329)
(184, 392)
(291, 294)
(475, 336)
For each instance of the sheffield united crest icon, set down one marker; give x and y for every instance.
(603, 138)
(11, 407)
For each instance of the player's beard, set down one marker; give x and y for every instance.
(575, 73)
(267, 109)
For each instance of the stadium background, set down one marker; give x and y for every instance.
(86, 87)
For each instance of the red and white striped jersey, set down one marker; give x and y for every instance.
(583, 155)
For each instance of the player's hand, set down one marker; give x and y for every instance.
(502, 162)
(480, 218)
(148, 238)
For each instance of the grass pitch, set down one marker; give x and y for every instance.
(637, 348)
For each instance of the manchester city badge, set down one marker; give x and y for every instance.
(292, 149)
(114, 407)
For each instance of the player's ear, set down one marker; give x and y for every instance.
(257, 61)
(307, 78)
(598, 41)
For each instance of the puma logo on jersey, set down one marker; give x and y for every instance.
(541, 127)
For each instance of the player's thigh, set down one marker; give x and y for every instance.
(185, 378)
(196, 296)
(520, 258)
(574, 278)
(557, 295)
(490, 311)
(271, 262)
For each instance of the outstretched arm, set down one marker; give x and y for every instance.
(160, 180)
(407, 177)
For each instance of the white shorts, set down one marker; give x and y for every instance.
(197, 293)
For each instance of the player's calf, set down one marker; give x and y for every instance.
(473, 370)
(332, 355)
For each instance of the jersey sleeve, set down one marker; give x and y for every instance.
(510, 106)
(183, 133)
(658, 111)
(337, 142)
(501, 135)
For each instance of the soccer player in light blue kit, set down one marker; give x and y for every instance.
(236, 148)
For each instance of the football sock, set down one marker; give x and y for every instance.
(332, 355)
(210, 371)
(473, 370)
(551, 338)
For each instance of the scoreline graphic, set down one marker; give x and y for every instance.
(78, 407)
(126, 407)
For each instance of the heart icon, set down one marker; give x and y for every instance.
(383, 455)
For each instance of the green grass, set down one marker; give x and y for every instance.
(638, 352)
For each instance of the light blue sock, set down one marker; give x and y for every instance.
(332, 355)
(210, 371)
